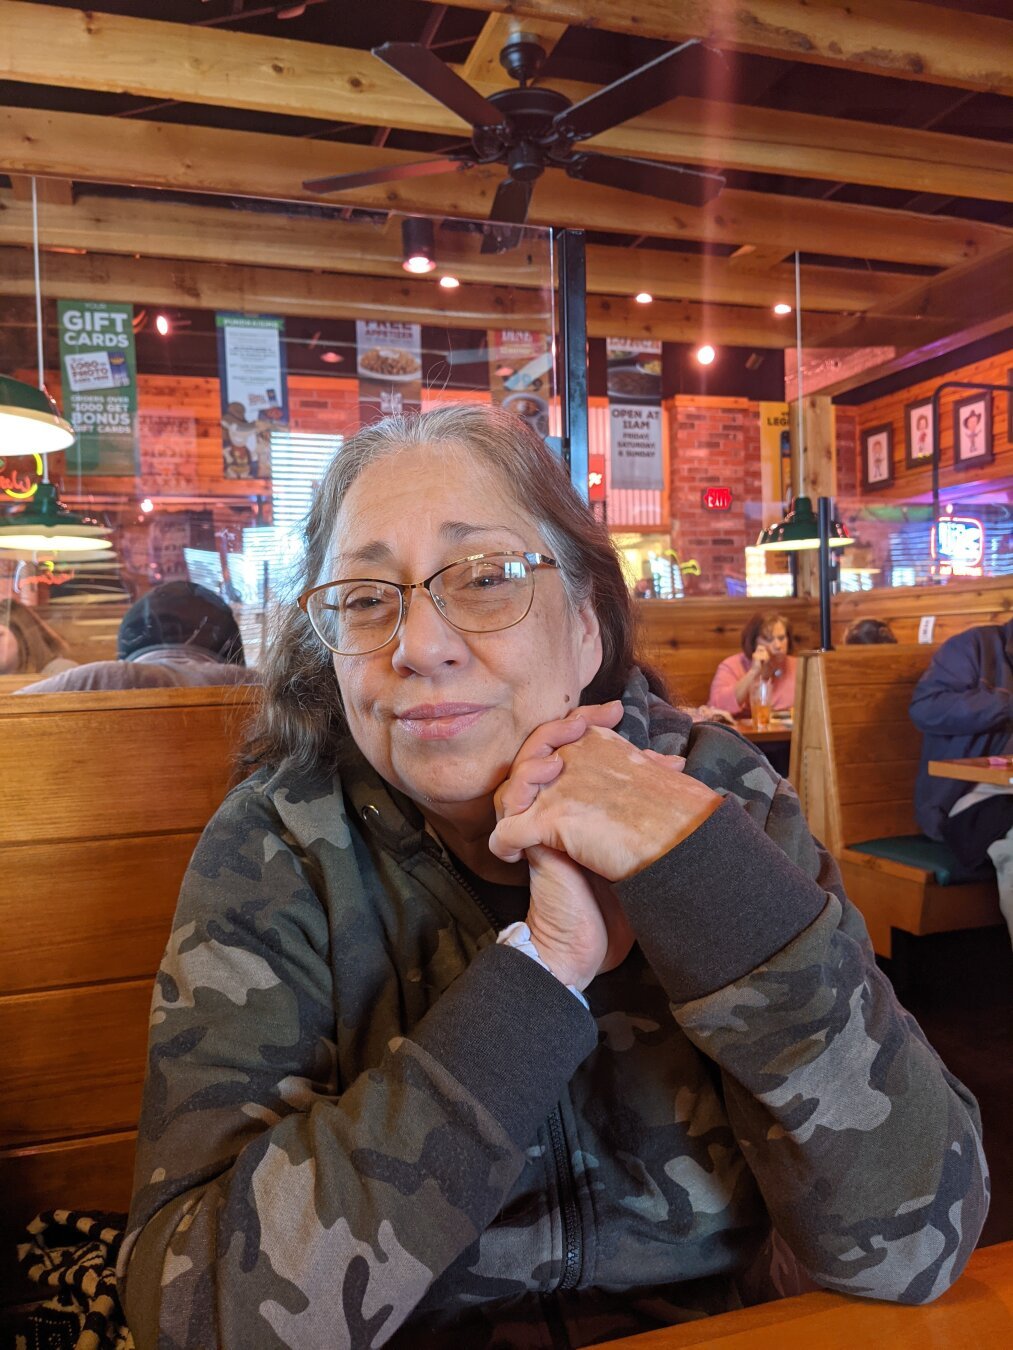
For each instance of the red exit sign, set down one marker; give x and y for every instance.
(716, 498)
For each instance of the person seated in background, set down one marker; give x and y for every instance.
(179, 634)
(868, 632)
(503, 1004)
(963, 705)
(766, 655)
(28, 644)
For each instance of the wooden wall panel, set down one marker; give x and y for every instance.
(122, 783)
(72, 1061)
(74, 913)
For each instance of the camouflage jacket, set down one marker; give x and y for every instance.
(364, 1122)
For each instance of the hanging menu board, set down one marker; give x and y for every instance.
(634, 394)
(98, 369)
(254, 391)
(389, 367)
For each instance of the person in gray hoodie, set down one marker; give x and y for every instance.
(504, 1006)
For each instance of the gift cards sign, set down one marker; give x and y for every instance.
(98, 368)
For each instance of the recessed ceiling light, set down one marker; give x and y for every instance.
(332, 358)
(643, 297)
(782, 308)
(706, 354)
(162, 325)
(449, 283)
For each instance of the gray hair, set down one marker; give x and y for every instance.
(301, 722)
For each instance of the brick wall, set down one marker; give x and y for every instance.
(714, 442)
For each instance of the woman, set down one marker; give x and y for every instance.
(369, 1119)
(28, 644)
(766, 655)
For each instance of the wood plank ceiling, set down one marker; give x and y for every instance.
(874, 138)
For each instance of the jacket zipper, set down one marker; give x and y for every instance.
(564, 1177)
(567, 1204)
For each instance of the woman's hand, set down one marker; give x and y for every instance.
(612, 809)
(576, 923)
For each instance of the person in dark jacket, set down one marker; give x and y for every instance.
(504, 1005)
(963, 705)
(178, 635)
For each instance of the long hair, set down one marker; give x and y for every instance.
(301, 723)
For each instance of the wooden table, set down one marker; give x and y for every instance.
(778, 731)
(976, 1314)
(974, 770)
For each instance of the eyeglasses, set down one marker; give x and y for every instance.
(480, 594)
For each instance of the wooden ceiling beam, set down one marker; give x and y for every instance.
(211, 233)
(901, 39)
(159, 60)
(262, 290)
(205, 159)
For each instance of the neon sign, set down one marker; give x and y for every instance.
(24, 579)
(19, 487)
(957, 544)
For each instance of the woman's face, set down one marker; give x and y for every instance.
(775, 639)
(440, 714)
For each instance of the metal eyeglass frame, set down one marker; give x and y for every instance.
(533, 560)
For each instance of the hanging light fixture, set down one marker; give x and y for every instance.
(30, 422)
(43, 526)
(419, 243)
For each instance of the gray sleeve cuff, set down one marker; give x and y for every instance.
(512, 1035)
(718, 905)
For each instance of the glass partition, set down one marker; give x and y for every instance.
(212, 355)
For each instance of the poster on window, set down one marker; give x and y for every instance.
(254, 391)
(633, 385)
(98, 372)
(388, 362)
(520, 374)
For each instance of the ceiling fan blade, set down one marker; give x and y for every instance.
(510, 205)
(390, 173)
(513, 197)
(640, 91)
(418, 64)
(674, 182)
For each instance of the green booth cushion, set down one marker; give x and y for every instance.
(918, 850)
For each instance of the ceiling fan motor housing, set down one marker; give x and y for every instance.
(529, 137)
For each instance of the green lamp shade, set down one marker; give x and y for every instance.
(800, 530)
(47, 527)
(29, 421)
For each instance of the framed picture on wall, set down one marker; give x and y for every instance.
(877, 457)
(919, 428)
(972, 431)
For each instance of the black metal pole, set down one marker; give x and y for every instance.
(825, 506)
(572, 356)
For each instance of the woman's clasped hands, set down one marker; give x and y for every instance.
(586, 809)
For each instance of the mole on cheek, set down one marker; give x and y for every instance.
(566, 698)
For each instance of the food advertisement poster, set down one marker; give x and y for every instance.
(388, 363)
(98, 370)
(254, 392)
(633, 385)
(520, 374)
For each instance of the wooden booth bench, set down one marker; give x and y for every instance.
(855, 757)
(104, 798)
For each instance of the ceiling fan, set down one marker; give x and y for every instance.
(533, 129)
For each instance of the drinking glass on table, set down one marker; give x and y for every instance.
(761, 698)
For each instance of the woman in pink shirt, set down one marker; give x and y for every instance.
(766, 648)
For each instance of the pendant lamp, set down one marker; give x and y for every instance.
(30, 424)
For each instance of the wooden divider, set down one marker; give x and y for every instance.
(105, 795)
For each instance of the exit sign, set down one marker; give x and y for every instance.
(716, 498)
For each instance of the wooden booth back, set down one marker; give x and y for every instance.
(104, 798)
(855, 753)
